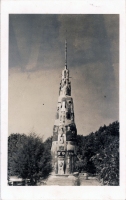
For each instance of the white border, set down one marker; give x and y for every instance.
(60, 7)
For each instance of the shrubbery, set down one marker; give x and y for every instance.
(101, 152)
(28, 157)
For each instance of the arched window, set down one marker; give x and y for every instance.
(68, 115)
(65, 74)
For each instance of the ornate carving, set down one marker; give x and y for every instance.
(67, 73)
(68, 128)
(61, 164)
(55, 128)
(72, 116)
(61, 139)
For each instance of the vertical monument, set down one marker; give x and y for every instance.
(64, 130)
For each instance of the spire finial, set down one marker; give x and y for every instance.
(66, 51)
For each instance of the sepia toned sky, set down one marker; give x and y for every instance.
(36, 59)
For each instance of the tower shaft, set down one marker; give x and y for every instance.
(64, 130)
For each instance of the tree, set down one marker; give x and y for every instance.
(107, 163)
(15, 141)
(48, 143)
(31, 159)
(101, 152)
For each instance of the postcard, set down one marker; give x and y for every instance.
(63, 100)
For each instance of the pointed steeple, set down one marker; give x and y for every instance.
(66, 54)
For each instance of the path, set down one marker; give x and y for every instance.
(71, 181)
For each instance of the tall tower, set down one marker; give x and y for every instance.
(64, 130)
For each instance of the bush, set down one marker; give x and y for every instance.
(101, 152)
(28, 157)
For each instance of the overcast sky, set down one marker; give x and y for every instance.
(36, 59)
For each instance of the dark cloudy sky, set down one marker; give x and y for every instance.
(36, 59)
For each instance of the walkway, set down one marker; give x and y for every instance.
(71, 181)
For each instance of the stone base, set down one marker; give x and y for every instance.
(70, 180)
(64, 175)
(61, 175)
(61, 180)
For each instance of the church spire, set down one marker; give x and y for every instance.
(66, 54)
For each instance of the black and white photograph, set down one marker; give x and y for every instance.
(63, 101)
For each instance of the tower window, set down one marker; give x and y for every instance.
(65, 74)
(68, 115)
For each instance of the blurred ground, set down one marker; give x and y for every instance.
(71, 181)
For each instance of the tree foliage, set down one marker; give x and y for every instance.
(98, 153)
(28, 157)
(48, 143)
